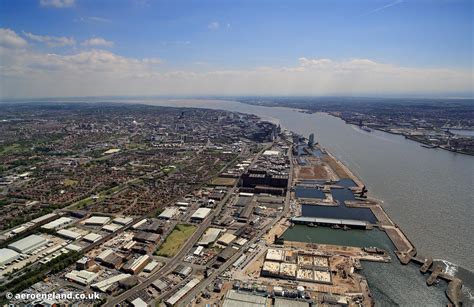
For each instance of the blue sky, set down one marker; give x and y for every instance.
(192, 38)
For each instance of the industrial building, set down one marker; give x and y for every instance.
(7, 255)
(283, 302)
(28, 244)
(210, 236)
(150, 267)
(136, 265)
(138, 302)
(97, 220)
(112, 227)
(84, 263)
(160, 285)
(109, 259)
(296, 265)
(60, 222)
(200, 214)
(82, 277)
(154, 225)
(44, 218)
(73, 247)
(146, 237)
(69, 234)
(92, 237)
(139, 223)
(243, 299)
(106, 284)
(183, 270)
(330, 222)
(182, 292)
(275, 254)
(226, 254)
(226, 239)
(123, 220)
(168, 213)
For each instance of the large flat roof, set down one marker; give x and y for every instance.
(27, 244)
(209, 236)
(7, 255)
(316, 220)
(201, 213)
(240, 299)
(168, 213)
(97, 220)
(57, 222)
(283, 302)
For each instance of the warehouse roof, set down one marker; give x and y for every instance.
(82, 277)
(168, 213)
(240, 299)
(201, 213)
(97, 220)
(92, 237)
(138, 302)
(43, 218)
(103, 285)
(7, 255)
(316, 220)
(57, 223)
(283, 302)
(178, 295)
(123, 220)
(226, 238)
(69, 234)
(112, 227)
(28, 244)
(209, 236)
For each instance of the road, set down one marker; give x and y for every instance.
(206, 282)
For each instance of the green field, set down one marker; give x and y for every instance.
(175, 240)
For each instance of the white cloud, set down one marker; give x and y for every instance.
(381, 8)
(57, 3)
(51, 41)
(26, 73)
(96, 18)
(97, 42)
(213, 25)
(10, 39)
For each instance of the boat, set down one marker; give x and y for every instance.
(336, 227)
(365, 128)
(345, 227)
(428, 146)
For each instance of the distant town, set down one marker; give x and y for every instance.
(160, 206)
(435, 123)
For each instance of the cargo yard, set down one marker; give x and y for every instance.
(178, 215)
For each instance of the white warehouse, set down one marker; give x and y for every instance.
(28, 244)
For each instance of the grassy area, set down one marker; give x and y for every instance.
(83, 202)
(175, 240)
(223, 181)
(70, 182)
(13, 149)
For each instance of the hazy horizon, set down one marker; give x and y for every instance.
(371, 48)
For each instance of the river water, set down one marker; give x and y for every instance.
(429, 193)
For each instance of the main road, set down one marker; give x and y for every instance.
(193, 293)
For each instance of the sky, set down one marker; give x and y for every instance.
(401, 48)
